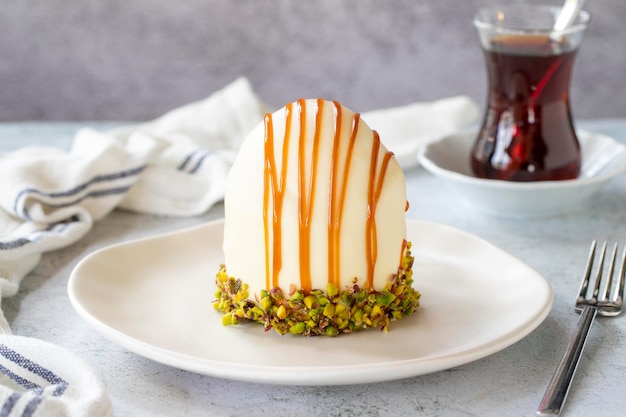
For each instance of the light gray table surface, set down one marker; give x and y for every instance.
(508, 383)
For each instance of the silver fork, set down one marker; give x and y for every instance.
(588, 306)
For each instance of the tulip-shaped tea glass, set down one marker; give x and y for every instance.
(527, 132)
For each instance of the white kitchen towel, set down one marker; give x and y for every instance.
(40, 379)
(175, 165)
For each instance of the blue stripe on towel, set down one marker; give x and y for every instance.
(93, 194)
(199, 163)
(19, 380)
(29, 365)
(14, 244)
(32, 405)
(190, 157)
(35, 368)
(77, 189)
(8, 405)
(182, 166)
(56, 228)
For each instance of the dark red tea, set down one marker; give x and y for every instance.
(527, 133)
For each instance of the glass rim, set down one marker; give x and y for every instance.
(580, 24)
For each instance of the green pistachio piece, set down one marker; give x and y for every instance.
(329, 310)
(281, 312)
(385, 298)
(266, 303)
(322, 301)
(297, 328)
(309, 301)
(298, 295)
(331, 289)
(228, 319)
(331, 331)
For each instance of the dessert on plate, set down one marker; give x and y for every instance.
(315, 231)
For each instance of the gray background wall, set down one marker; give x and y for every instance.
(135, 59)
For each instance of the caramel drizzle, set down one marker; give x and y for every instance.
(277, 189)
(336, 201)
(307, 191)
(373, 195)
(268, 169)
(274, 188)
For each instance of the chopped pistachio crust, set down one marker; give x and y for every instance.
(328, 312)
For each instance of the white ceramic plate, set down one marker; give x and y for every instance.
(153, 297)
(603, 158)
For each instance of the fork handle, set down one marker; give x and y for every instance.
(557, 390)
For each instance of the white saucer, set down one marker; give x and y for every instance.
(449, 158)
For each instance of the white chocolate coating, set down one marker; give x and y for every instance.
(311, 211)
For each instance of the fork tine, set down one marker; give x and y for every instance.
(596, 285)
(610, 304)
(584, 285)
(619, 291)
(609, 282)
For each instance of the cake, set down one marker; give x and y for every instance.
(314, 230)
